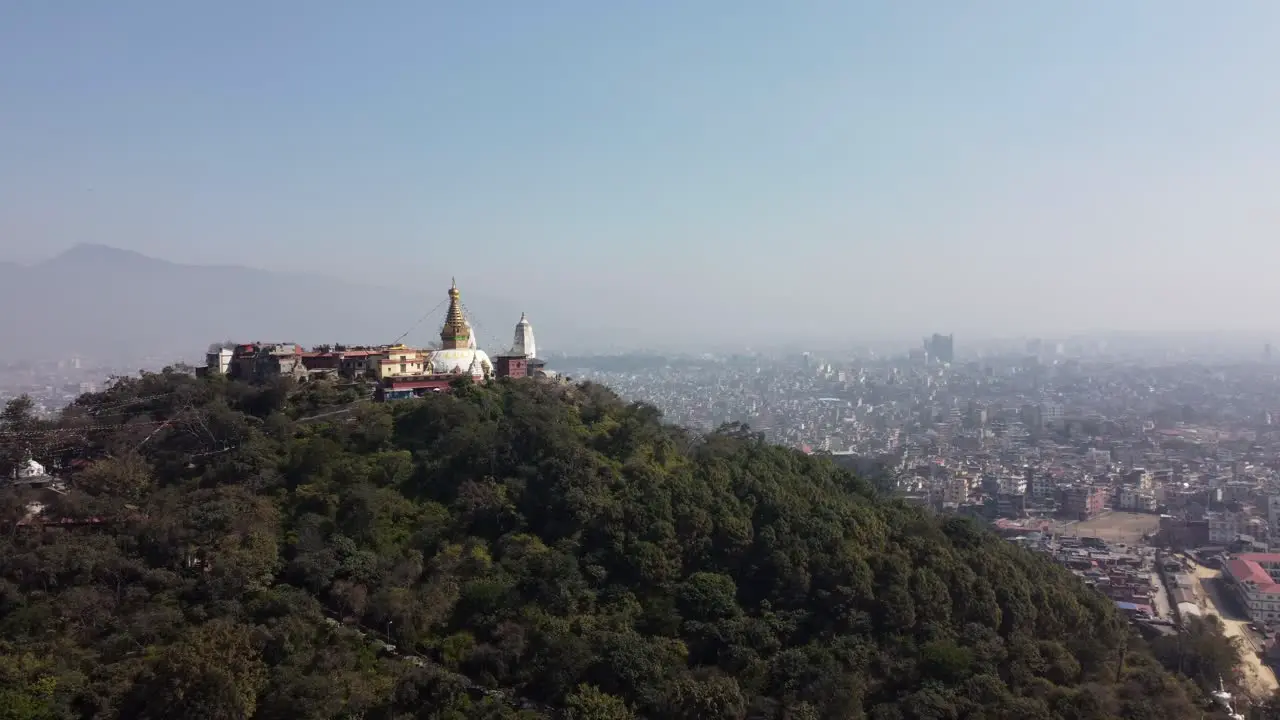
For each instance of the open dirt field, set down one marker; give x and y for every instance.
(1119, 527)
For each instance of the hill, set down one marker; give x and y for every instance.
(115, 304)
(530, 550)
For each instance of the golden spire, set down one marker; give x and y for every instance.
(455, 333)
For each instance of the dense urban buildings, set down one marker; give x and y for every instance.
(1075, 437)
(52, 385)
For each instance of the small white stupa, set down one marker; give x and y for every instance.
(30, 473)
(523, 344)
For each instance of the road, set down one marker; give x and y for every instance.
(1161, 599)
(1259, 679)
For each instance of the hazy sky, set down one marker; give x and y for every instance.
(776, 167)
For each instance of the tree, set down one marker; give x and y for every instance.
(126, 477)
(27, 688)
(588, 703)
(712, 697)
(20, 426)
(215, 673)
(19, 413)
(1201, 651)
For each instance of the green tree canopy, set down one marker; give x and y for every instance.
(529, 549)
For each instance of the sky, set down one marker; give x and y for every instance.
(714, 171)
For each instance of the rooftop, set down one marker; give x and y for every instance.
(1246, 569)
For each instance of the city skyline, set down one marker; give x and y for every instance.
(297, 307)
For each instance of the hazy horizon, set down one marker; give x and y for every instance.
(422, 331)
(720, 174)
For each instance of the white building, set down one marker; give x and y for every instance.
(524, 344)
(1012, 484)
(1254, 576)
(1042, 485)
(1225, 526)
(1136, 500)
(218, 358)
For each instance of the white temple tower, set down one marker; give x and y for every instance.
(523, 343)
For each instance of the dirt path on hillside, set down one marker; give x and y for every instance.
(1259, 679)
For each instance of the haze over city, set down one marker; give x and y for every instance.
(895, 360)
(673, 174)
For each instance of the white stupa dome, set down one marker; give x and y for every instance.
(31, 469)
(461, 361)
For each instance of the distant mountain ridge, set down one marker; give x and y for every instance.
(110, 304)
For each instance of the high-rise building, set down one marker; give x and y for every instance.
(940, 348)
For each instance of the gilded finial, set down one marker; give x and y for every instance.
(455, 332)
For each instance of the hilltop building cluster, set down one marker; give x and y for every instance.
(399, 371)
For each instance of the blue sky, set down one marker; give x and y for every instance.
(787, 168)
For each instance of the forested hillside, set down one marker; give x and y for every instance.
(532, 550)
